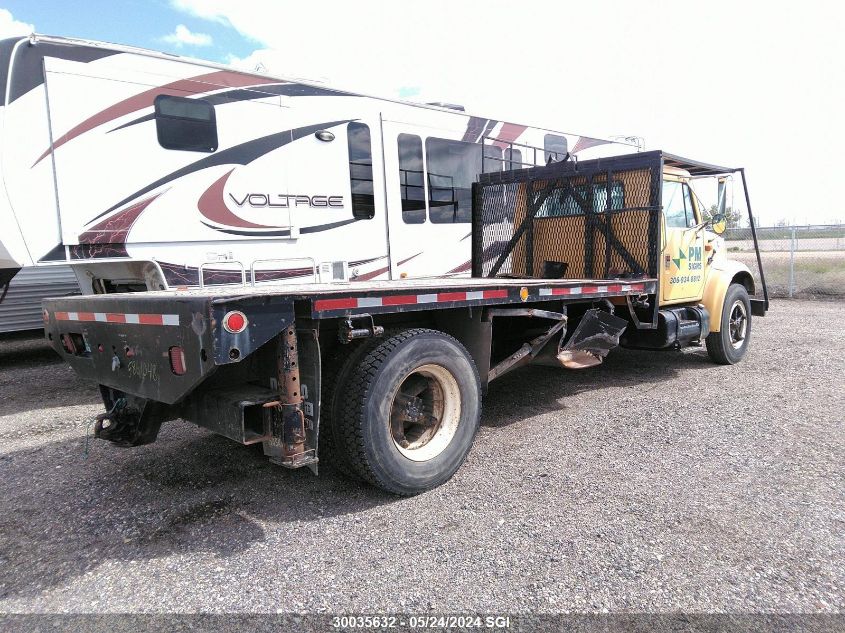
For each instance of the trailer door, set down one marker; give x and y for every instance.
(429, 173)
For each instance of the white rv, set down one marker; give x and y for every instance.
(147, 171)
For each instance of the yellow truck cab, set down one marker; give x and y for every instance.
(695, 268)
(631, 217)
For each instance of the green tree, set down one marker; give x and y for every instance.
(733, 218)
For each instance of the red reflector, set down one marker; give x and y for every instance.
(177, 360)
(235, 322)
(68, 344)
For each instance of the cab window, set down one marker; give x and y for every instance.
(677, 205)
(558, 205)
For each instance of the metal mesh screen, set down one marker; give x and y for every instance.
(593, 219)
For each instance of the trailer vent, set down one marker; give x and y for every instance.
(334, 272)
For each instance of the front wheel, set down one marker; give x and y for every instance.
(409, 411)
(730, 344)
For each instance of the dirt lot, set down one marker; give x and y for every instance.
(656, 482)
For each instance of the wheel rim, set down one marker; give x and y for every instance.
(425, 412)
(738, 324)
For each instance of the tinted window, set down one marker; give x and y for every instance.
(555, 147)
(492, 159)
(677, 208)
(361, 170)
(452, 168)
(513, 159)
(186, 124)
(411, 178)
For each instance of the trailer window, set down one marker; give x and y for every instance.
(411, 178)
(361, 171)
(185, 124)
(513, 159)
(555, 147)
(493, 161)
(452, 167)
(677, 207)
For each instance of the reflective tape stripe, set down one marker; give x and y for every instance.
(119, 317)
(400, 300)
(346, 303)
(369, 302)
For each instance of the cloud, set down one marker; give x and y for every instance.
(10, 27)
(728, 85)
(183, 36)
(208, 10)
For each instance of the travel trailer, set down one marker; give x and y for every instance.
(146, 171)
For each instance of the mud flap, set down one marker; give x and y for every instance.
(596, 334)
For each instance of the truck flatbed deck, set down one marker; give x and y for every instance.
(329, 300)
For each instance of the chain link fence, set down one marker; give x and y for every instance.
(798, 261)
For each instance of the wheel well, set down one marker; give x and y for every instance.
(746, 280)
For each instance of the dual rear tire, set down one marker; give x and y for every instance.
(401, 412)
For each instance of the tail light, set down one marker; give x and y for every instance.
(69, 344)
(235, 322)
(177, 360)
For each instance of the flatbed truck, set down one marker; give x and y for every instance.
(385, 378)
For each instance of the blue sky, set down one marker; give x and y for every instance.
(143, 23)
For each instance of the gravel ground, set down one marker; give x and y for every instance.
(658, 482)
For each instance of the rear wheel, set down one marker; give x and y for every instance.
(409, 411)
(730, 344)
(336, 373)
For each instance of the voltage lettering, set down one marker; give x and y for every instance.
(285, 201)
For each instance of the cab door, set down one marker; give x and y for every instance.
(682, 273)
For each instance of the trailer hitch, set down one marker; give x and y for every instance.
(126, 424)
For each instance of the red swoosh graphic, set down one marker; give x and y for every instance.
(509, 133)
(192, 85)
(462, 268)
(585, 142)
(213, 207)
(115, 229)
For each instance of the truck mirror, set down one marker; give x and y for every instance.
(718, 224)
